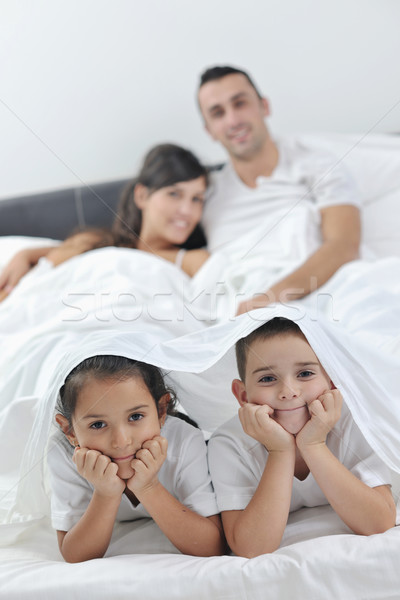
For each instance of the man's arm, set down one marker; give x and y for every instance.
(341, 234)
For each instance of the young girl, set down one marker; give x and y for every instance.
(125, 457)
(292, 445)
(159, 212)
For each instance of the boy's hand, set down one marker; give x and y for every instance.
(100, 471)
(325, 412)
(147, 463)
(257, 422)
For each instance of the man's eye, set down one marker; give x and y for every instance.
(217, 114)
(97, 425)
(136, 417)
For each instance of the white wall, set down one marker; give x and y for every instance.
(87, 86)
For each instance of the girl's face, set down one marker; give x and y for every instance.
(284, 373)
(115, 417)
(170, 214)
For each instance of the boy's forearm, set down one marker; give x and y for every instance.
(259, 528)
(90, 537)
(188, 531)
(362, 508)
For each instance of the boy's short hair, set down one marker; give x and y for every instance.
(270, 329)
(218, 72)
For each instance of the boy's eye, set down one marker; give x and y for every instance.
(136, 417)
(97, 425)
(267, 379)
(306, 373)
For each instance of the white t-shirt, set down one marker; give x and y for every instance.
(237, 462)
(184, 474)
(303, 175)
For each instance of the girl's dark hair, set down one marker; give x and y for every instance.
(270, 329)
(111, 367)
(163, 166)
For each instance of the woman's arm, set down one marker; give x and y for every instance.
(19, 265)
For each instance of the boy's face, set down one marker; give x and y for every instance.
(284, 373)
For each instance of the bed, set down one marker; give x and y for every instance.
(319, 557)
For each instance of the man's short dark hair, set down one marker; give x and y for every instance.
(218, 72)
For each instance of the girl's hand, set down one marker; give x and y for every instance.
(100, 471)
(325, 412)
(257, 422)
(146, 464)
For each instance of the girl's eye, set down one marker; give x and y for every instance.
(306, 373)
(198, 199)
(173, 193)
(267, 379)
(97, 425)
(136, 417)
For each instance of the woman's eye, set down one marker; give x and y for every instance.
(198, 199)
(173, 194)
(97, 425)
(306, 373)
(136, 417)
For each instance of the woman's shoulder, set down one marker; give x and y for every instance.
(192, 260)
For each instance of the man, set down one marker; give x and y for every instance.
(234, 114)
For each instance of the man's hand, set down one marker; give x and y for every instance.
(99, 471)
(325, 412)
(257, 423)
(146, 464)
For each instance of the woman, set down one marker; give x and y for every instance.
(159, 212)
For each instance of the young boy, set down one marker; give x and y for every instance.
(291, 445)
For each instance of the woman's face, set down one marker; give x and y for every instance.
(170, 214)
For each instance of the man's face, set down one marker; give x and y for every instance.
(234, 115)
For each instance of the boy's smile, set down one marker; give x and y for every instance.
(284, 373)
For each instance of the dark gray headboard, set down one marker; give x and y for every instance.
(56, 214)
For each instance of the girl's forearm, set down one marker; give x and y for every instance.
(259, 528)
(365, 510)
(189, 532)
(90, 537)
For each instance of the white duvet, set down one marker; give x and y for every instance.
(119, 290)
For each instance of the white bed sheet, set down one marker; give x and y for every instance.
(319, 558)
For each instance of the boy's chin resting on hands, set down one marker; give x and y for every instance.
(292, 420)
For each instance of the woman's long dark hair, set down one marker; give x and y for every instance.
(163, 166)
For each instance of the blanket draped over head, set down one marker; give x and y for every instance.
(201, 367)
